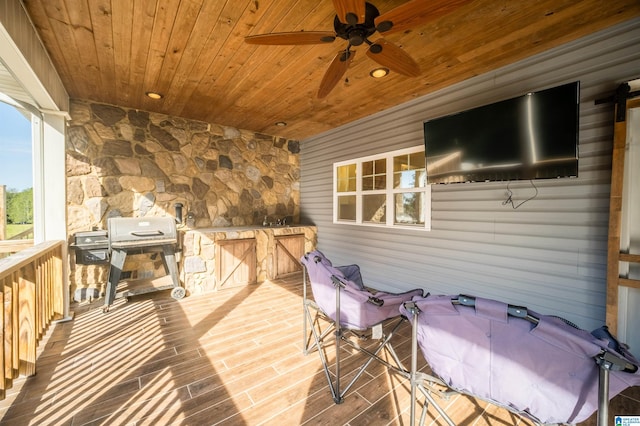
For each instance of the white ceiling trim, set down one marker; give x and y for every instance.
(17, 78)
(10, 87)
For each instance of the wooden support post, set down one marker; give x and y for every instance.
(615, 218)
(3, 212)
(614, 254)
(3, 345)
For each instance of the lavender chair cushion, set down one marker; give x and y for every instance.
(357, 311)
(547, 371)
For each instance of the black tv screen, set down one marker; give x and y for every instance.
(534, 136)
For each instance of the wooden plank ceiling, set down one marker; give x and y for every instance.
(193, 52)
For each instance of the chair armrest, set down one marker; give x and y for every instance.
(398, 298)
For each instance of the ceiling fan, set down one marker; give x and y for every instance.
(356, 21)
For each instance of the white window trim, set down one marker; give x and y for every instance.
(390, 191)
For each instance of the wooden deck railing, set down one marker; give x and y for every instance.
(23, 235)
(8, 247)
(31, 286)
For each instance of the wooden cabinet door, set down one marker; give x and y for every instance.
(287, 253)
(235, 263)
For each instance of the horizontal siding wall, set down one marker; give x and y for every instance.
(550, 253)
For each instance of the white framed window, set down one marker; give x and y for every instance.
(387, 190)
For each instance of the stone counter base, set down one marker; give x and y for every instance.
(209, 263)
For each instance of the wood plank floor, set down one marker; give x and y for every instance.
(232, 357)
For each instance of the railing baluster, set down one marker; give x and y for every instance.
(31, 297)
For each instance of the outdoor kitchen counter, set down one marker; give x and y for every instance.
(217, 258)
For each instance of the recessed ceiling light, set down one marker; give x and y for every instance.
(154, 95)
(379, 72)
(281, 124)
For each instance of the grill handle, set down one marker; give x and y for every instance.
(147, 233)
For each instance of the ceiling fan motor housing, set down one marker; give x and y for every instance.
(356, 33)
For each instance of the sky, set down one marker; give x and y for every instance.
(15, 149)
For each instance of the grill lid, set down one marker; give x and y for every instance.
(90, 239)
(141, 231)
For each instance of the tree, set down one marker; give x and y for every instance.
(20, 206)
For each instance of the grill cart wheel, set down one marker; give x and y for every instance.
(178, 293)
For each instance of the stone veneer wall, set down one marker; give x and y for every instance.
(132, 163)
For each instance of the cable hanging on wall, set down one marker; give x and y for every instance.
(509, 200)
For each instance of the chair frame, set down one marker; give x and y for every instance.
(313, 338)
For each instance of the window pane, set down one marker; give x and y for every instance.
(367, 168)
(346, 181)
(374, 208)
(347, 207)
(400, 163)
(417, 160)
(409, 208)
(367, 183)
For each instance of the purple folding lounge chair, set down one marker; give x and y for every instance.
(341, 299)
(541, 367)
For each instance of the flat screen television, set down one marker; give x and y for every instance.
(534, 136)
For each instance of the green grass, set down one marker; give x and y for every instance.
(13, 229)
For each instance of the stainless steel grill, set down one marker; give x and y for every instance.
(139, 235)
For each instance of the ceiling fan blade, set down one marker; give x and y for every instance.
(345, 8)
(415, 13)
(391, 56)
(295, 38)
(335, 72)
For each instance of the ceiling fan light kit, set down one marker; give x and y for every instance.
(356, 21)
